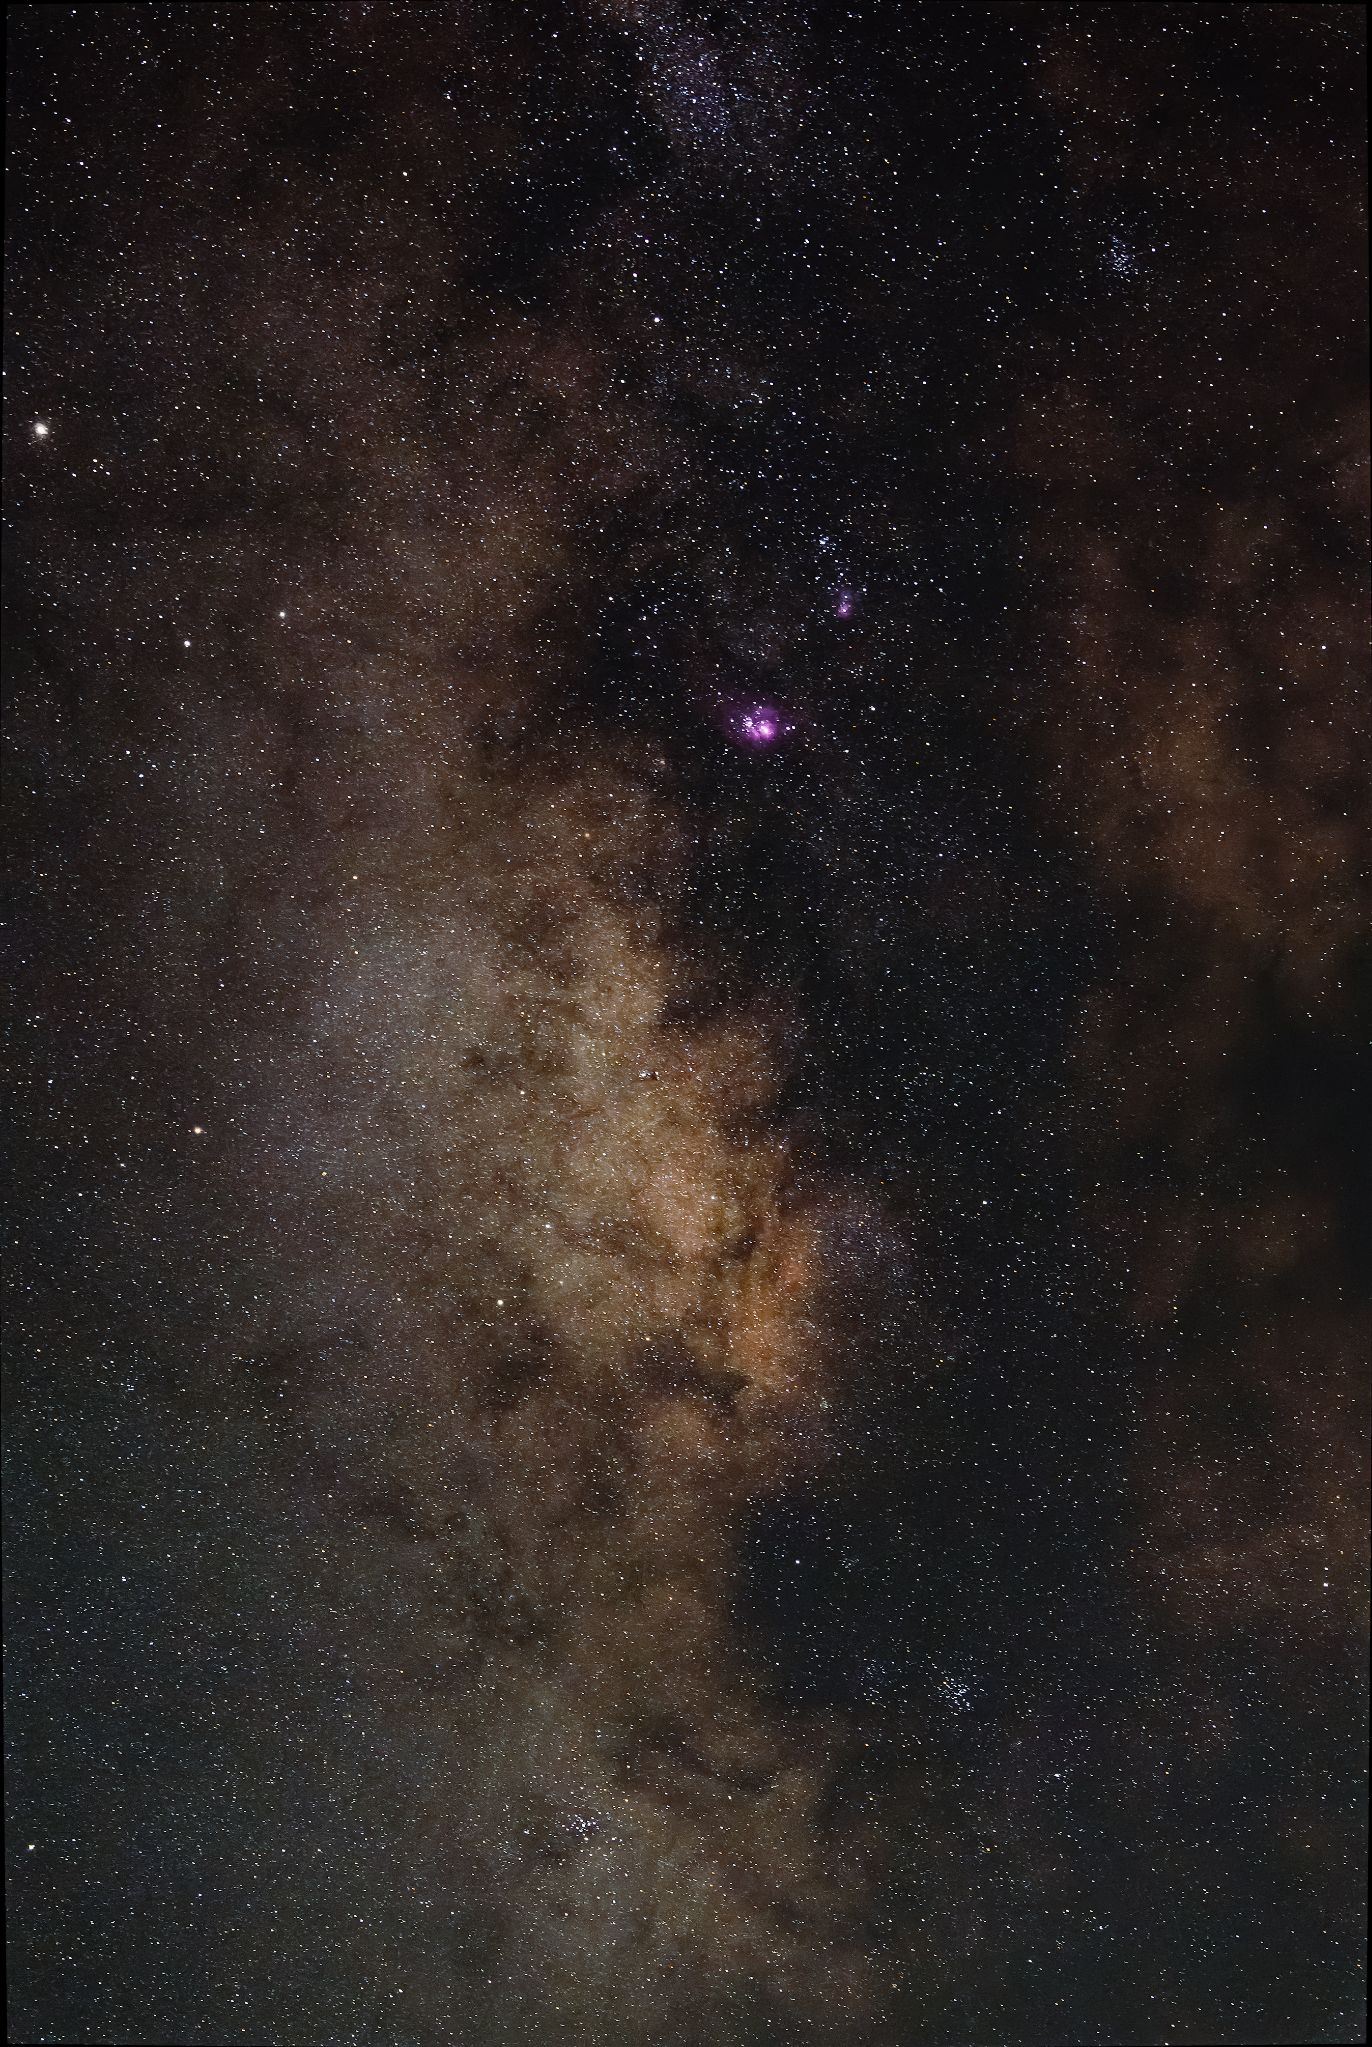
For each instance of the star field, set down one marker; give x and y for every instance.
(686, 1342)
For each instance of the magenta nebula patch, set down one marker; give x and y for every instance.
(759, 725)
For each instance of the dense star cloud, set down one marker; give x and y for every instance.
(602, 1276)
(687, 1332)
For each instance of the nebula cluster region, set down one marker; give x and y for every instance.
(687, 1335)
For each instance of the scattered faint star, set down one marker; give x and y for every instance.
(709, 960)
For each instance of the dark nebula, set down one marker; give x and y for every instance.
(687, 1316)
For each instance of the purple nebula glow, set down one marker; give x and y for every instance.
(759, 725)
(844, 603)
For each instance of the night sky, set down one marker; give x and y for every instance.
(687, 972)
